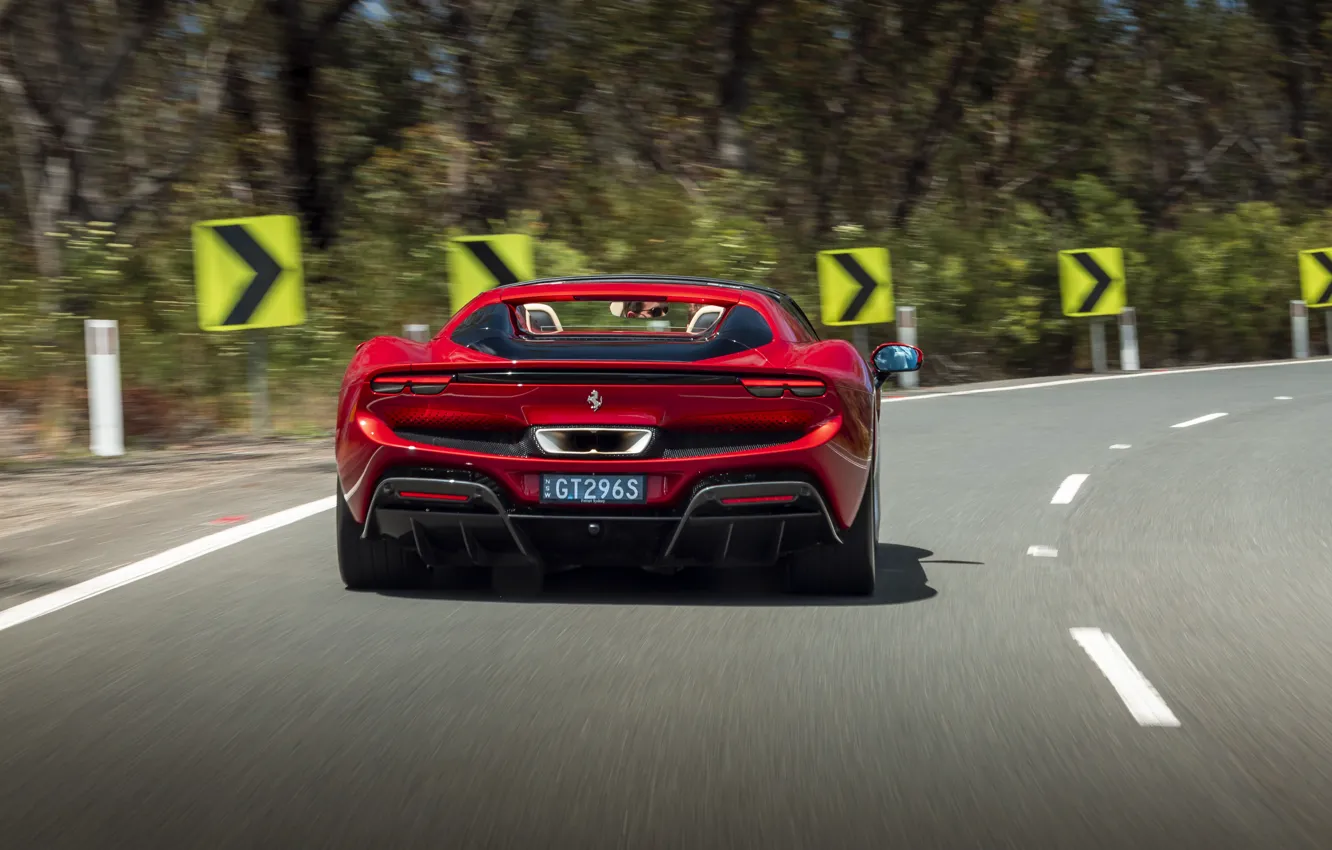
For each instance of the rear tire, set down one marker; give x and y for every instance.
(845, 569)
(376, 564)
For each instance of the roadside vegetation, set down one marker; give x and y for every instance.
(735, 138)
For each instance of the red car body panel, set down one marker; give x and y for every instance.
(375, 432)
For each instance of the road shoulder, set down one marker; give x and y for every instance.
(62, 524)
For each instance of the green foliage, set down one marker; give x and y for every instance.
(1192, 135)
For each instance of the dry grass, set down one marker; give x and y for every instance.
(39, 422)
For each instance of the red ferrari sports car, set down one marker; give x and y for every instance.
(660, 422)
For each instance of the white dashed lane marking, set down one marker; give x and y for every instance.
(1141, 699)
(1121, 446)
(1042, 551)
(1068, 489)
(1200, 420)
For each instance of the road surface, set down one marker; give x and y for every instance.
(1106, 621)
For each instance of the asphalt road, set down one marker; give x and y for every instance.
(244, 699)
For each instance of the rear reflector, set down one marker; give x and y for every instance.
(440, 497)
(758, 500)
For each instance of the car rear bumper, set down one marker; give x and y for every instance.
(460, 518)
(829, 457)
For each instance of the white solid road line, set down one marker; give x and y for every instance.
(65, 597)
(1142, 700)
(1200, 420)
(1068, 489)
(1154, 373)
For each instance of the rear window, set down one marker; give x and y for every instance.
(619, 317)
(613, 330)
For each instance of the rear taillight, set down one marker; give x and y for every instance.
(415, 384)
(389, 384)
(764, 387)
(776, 387)
(806, 389)
(757, 500)
(428, 384)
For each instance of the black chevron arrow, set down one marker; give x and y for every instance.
(859, 275)
(1326, 263)
(266, 271)
(487, 257)
(1098, 274)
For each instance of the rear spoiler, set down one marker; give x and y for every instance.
(669, 292)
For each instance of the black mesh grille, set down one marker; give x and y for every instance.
(501, 443)
(665, 444)
(687, 444)
(753, 477)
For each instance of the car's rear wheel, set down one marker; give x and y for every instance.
(842, 569)
(375, 564)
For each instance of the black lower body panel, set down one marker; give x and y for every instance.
(466, 522)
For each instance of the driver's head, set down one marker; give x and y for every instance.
(639, 309)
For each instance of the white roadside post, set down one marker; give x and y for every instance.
(1099, 361)
(906, 332)
(1128, 340)
(860, 338)
(1299, 329)
(1327, 325)
(260, 420)
(416, 333)
(106, 421)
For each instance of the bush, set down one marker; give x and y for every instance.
(1214, 287)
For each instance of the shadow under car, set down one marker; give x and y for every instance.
(901, 579)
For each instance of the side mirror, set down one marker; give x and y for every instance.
(894, 357)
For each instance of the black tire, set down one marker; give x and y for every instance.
(517, 580)
(374, 564)
(845, 569)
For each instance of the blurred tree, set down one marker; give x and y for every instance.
(63, 68)
(736, 58)
(311, 39)
(729, 137)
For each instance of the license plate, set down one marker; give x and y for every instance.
(594, 489)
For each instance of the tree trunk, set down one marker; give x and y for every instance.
(245, 111)
(486, 195)
(947, 112)
(46, 183)
(838, 122)
(299, 91)
(735, 61)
